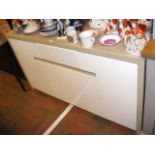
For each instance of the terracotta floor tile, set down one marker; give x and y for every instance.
(30, 112)
(81, 122)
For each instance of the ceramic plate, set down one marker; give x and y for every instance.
(110, 39)
(48, 34)
(30, 31)
(31, 28)
(49, 29)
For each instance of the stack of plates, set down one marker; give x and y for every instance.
(49, 31)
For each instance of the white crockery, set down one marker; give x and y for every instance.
(72, 36)
(110, 39)
(87, 38)
(69, 28)
(31, 27)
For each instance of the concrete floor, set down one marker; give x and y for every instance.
(32, 112)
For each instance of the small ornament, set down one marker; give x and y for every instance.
(60, 27)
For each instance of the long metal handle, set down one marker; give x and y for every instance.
(66, 66)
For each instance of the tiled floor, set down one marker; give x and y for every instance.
(81, 122)
(28, 112)
(32, 112)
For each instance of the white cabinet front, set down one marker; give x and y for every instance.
(48, 70)
(104, 86)
(114, 94)
(61, 81)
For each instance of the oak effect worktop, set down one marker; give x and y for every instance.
(117, 51)
(149, 50)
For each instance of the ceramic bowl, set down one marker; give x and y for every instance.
(110, 39)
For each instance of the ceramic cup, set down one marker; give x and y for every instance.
(72, 36)
(87, 38)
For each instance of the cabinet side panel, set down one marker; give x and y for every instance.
(24, 52)
(149, 104)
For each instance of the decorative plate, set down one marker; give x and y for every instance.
(110, 39)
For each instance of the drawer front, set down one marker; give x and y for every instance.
(63, 82)
(66, 57)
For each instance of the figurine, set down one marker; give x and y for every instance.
(77, 23)
(145, 25)
(112, 26)
(124, 28)
(17, 25)
(100, 24)
(67, 22)
(60, 27)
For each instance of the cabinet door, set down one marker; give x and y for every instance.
(47, 71)
(114, 93)
(62, 81)
(104, 86)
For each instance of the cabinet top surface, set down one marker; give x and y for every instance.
(117, 51)
(149, 50)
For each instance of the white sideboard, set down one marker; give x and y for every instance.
(105, 86)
